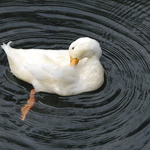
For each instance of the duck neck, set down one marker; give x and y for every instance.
(90, 63)
(93, 60)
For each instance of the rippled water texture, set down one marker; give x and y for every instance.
(115, 117)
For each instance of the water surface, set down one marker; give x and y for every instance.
(114, 117)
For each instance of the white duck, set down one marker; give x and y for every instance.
(49, 70)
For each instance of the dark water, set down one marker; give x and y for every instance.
(115, 117)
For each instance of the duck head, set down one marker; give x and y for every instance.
(84, 48)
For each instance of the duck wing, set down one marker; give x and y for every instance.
(52, 72)
(34, 56)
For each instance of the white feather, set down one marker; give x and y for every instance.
(49, 70)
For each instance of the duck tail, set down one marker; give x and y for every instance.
(6, 47)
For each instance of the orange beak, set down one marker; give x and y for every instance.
(73, 61)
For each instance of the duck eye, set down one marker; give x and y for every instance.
(72, 48)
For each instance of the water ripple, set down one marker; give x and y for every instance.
(116, 116)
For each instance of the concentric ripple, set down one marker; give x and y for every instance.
(114, 117)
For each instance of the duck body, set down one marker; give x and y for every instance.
(49, 70)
